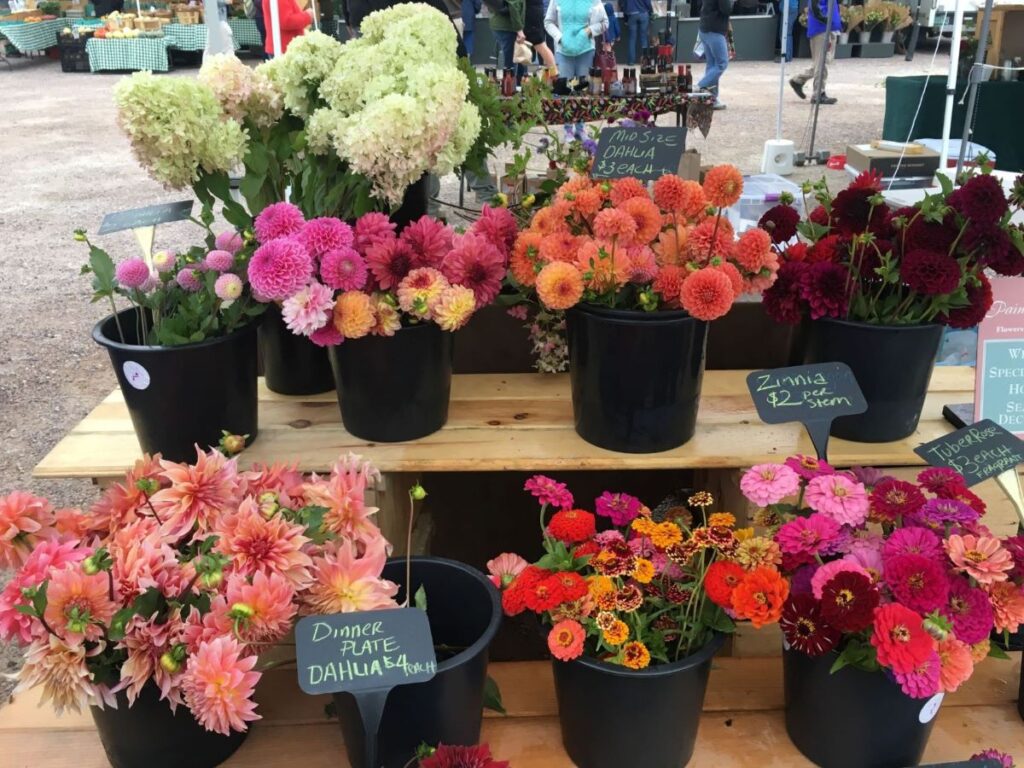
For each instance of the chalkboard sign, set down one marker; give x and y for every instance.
(646, 153)
(368, 650)
(814, 395)
(145, 217)
(978, 452)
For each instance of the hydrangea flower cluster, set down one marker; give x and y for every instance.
(180, 575)
(243, 92)
(633, 586)
(615, 244)
(337, 282)
(856, 259)
(889, 574)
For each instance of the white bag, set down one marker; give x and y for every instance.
(698, 50)
(523, 53)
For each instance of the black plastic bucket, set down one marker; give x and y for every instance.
(893, 365)
(613, 717)
(853, 718)
(464, 610)
(184, 396)
(149, 735)
(635, 377)
(396, 388)
(414, 203)
(292, 364)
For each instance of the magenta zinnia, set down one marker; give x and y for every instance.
(548, 491)
(919, 582)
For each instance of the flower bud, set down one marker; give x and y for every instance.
(169, 664)
(211, 580)
(232, 444)
(147, 485)
(80, 235)
(241, 611)
(418, 492)
(268, 504)
(501, 200)
(89, 567)
(528, 201)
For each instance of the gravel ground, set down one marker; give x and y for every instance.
(64, 164)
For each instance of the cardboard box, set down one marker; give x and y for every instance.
(864, 157)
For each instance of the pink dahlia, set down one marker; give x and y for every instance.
(643, 265)
(279, 268)
(219, 261)
(132, 273)
(197, 494)
(1003, 759)
(325, 234)
(918, 582)
(475, 264)
(24, 520)
(498, 226)
(259, 544)
(429, 240)
(308, 310)
(229, 241)
(389, 260)
(146, 642)
(345, 583)
(188, 279)
(267, 606)
(77, 604)
(371, 229)
(218, 685)
(765, 484)
(923, 681)
(343, 269)
(328, 336)
(824, 574)
(813, 535)
(420, 291)
(228, 287)
(58, 667)
(981, 557)
(913, 541)
(47, 557)
(278, 220)
(809, 467)
(549, 492)
(838, 497)
(970, 610)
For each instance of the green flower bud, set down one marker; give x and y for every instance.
(241, 611)
(89, 567)
(211, 580)
(169, 664)
(418, 492)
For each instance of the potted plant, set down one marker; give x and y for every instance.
(844, 15)
(853, 21)
(639, 276)
(895, 587)
(874, 16)
(184, 349)
(880, 285)
(897, 18)
(636, 613)
(384, 303)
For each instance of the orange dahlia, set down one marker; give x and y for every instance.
(615, 225)
(586, 203)
(669, 284)
(572, 186)
(670, 247)
(353, 314)
(712, 237)
(525, 257)
(723, 185)
(559, 285)
(646, 216)
(627, 187)
(549, 220)
(677, 195)
(707, 294)
(603, 265)
(753, 249)
(735, 278)
(559, 246)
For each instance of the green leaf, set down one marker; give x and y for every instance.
(39, 598)
(102, 268)
(945, 182)
(996, 652)
(420, 599)
(492, 696)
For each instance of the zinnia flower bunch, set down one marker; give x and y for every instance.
(618, 244)
(856, 259)
(888, 574)
(337, 282)
(633, 586)
(177, 577)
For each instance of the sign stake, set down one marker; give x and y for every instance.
(371, 710)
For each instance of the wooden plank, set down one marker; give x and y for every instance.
(509, 422)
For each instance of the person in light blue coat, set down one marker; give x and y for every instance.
(574, 25)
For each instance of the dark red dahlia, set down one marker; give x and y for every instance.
(891, 499)
(848, 601)
(994, 248)
(448, 756)
(980, 298)
(796, 252)
(829, 248)
(928, 235)
(820, 216)
(783, 301)
(805, 629)
(930, 273)
(780, 223)
(867, 259)
(853, 212)
(389, 261)
(1017, 193)
(868, 180)
(981, 200)
(826, 289)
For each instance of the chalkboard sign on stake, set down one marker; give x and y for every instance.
(643, 152)
(365, 654)
(149, 216)
(814, 395)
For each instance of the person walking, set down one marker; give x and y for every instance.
(470, 8)
(638, 22)
(508, 18)
(712, 32)
(794, 12)
(573, 25)
(293, 22)
(533, 32)
(822, 48)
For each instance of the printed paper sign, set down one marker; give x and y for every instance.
(999, 377)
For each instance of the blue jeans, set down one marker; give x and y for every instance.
(794, 12)
(470, 8)
(716, 53)
(507, 45)
(574, 66)
(638, 24)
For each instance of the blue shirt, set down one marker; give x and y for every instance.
(816, 26)
(637, 6)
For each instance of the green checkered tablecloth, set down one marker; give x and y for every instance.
(35, 36)
(246, 34)
(188, 37)
(128, 54)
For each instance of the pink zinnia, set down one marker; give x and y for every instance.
(47, 557)
(279, 268)
(343, 269)
(390, 261)
(325, 234)
(981, 557)
(219, 261)
(429, 241)
(188, 279)
(328, 336)
(918, 582)
(228, 287)
(766, 484)
(24, 520)
(278, 220)
(498, 226)
(923, 681)
(1007, 605)
(504, 568)
(476, 264)
(219, 684)
(913, 541)
(970, 611)
(956, 662)
(565, 640)
(809, 467)
(812, 535)
(839, 497)
(371, 229)
(132, 273)
(825, 573)
(548, 491)
(229, 241)
(308, 310)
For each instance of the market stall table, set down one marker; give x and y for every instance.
(696, 108)
(246, 33)
(29, 37)
(188, 37)
(128, 54)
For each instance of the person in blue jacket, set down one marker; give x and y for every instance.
(638, 22)
(821, 45)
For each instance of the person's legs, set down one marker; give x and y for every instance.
(506, 46)
(819, 54)
(468, 24)
(633, 27)
(808, 74)
(547, 58)
(716, 53)
(645, 23)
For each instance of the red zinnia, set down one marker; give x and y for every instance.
(891, 499)
(900, 638)
(930, 273)
(572, 526)
(587, 549)
(804, 628)
(723, 576)
(960, 493)
(514, 598)
(780, 223)
(447, 756)
(825, 287)
(569, 586)
(918, 582)
(938, 479)
(545, 595)
(980, 298)
(848, 601)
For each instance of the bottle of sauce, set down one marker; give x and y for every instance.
(508, 83)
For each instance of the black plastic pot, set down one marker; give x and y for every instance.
(414, 203)
(149, 735)
(893, 365)
(635, 377)
(180, 397)
(464, 610)
(853, 718)
(396, 388)
(292, 364)
(613, 717)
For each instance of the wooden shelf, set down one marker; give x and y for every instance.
(742, 725)
(509, 422)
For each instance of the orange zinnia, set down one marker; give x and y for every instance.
(760, 596)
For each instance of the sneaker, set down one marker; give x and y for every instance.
(797, 86)
(719, 105)
(824, 99)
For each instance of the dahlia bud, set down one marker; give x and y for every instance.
(501, 200)
(80, 235)
(147, 485)
(211, 580)
(528, 201)
(89, 567)
(241, 611)
(232, 444)
(268, 504)
(169, 664)
(786, 198)
(418, 492)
